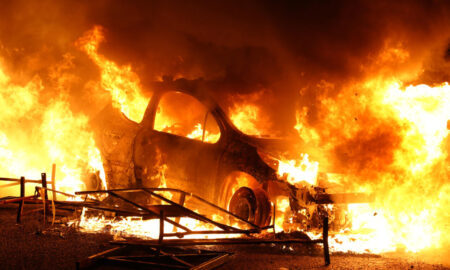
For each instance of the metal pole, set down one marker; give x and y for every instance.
(22, 195)
(44, 184)
(148, 210)
(326, 251)
(44, 200)
(161, 227)
(53, 181)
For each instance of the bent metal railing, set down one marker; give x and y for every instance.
(176, 210)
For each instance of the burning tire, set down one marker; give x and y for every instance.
(251, 205)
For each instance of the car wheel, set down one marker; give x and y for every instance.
(251, 205)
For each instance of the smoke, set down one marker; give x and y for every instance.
(282, 47)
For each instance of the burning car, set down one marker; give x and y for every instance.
(186, 141)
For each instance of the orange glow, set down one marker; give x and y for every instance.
(249, 118)
(299, 171)
(390, 138)
(146, 229)
(198, 134)
(282, 208)
(34, 135)
(123, 84)
(410, 212)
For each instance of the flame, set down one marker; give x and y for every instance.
(282, 208)
(123, 84)
(298, 171)
(147, 229)
(36, 133)
(248, 117)
(395, 140)
(197, 134)
(412, 186)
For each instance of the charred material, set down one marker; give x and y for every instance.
(143, 155)
(157, 210)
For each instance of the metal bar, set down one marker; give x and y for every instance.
(16, 200)
(33, 200)
(60, 192)
(212, 263)
(148, 210)
(179, 191)
(218, 241)
(181, 234)
(103, 253)
(165, 254)
(326, 251)
(18, 180)
(44, 184)
(208, 203)
(21, 203)
(133, 190)
(162, 255)
(53, 181)
(192, 213)
(161, 226)
(108, 191)
(130, 213)
(175, 257)
(93, 258)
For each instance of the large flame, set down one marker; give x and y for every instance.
(412, 185)
(392, 139)
(299, 171)
(123, 84)
(36, 133)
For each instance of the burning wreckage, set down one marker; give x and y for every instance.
(196, 186)
(217, 161)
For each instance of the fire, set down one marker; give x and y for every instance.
(282, 208)
(123, 84)
(426, 110)
(137, 227)
(248, 117)
(245, 118)
(412, 184)
(207, 137)
(298, 171)
(35, 133)
(394, 139)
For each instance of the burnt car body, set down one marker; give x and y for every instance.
(137, 155)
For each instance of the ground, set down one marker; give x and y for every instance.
(31, 245)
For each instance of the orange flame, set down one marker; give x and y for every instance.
(123, 84)
(298, 171)
(412, 189)
(34, 135)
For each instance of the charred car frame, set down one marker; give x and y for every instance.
(137, 155)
